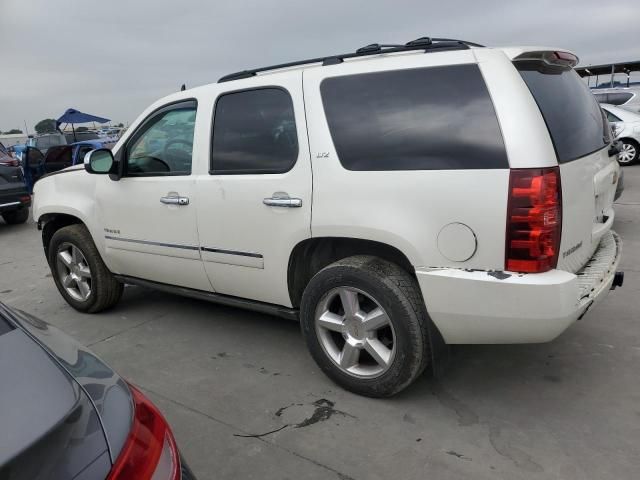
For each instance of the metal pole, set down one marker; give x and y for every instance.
(613, 69)
(74, 133)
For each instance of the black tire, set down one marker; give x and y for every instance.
(16, 216)
(105, 289)
(398, 294)
(631, 144)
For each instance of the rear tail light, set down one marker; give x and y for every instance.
(25, 199)
(150, 452)
(534, 220)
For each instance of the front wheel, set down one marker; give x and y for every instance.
(628, 154)
(81, 276)
(365, 324)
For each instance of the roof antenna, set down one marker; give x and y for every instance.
(183, 87)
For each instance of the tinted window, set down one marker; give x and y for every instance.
(618, 98)
(164, 143)
(572, 114)
(254, 131)
(60, 154)
(601, 97)
(3, 149)
(82, 151)
(81, 136)
(420, 119)
(49, 141)
(611, 117)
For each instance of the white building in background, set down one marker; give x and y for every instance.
(13, 139)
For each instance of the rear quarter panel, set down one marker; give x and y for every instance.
(408, 209)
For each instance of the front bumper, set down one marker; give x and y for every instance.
(505, 307)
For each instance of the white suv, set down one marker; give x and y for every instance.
(394, 200)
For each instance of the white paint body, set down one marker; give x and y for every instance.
(407, 210)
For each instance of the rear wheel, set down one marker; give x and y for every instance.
(629, 152)
(79, 272)
(16, 216)
(365, 325)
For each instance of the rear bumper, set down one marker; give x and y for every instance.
(504, 307)
(14, 199)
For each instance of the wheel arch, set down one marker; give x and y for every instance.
(313, 254)
(50, 223)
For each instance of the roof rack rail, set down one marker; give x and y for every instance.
(423, 43)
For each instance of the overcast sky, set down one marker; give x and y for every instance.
(114, 57)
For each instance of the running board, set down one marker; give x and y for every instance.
(228, 300)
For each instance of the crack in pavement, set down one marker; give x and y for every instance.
(520, 458)
(340, 475)
(128, 329)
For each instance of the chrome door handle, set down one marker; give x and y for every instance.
(280, 199)
(174, 200)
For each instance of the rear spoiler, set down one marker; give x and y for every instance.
(550, 56)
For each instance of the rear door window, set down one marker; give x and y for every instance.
(254, 131)
(436, 118)
(571, 112)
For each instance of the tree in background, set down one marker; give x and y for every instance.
(120, 125)
(13, 131)
(47, 125)
(82, 129)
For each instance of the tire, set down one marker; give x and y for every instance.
(16, 216)
(629, 152)
(377, 284)
(104, 290)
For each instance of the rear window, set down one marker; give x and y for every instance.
(601, 97)
(436, 118)
(618, 98)
(571, 112)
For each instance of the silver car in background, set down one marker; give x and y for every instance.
(623, 97)
(626, 128)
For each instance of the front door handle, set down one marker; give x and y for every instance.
(174, 200)
(281, 199)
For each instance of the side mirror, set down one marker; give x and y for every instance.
(99, 161)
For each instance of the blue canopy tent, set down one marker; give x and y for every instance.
(75, 116)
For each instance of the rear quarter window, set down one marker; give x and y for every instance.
(436, 118)
(572, 114)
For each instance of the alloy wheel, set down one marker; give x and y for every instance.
(355, 332)
(627, 153)
(73, 272)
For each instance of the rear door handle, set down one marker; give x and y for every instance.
(174, 200)
(280, 199)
